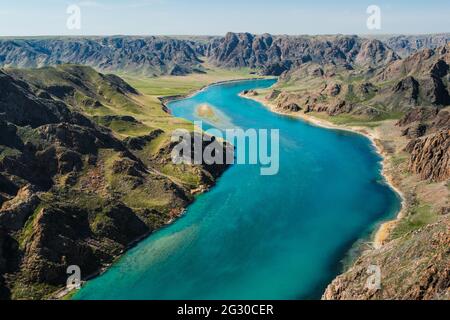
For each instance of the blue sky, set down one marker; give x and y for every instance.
(201, 17)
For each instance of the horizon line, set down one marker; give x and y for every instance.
(215, 35)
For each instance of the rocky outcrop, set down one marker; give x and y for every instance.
(430, 156)
(374, 53)
(289, 107)
(365, 90)
(276, 69)
(435, 91)
(441, 121)
(421, 115)
(413, 267)
(372, 93)
(250, 93)
(15, 212)
(424, 120)
(273, 94)
(333, 89)
(408, 88)
(340, 108)
(429, 148)
(208, 173)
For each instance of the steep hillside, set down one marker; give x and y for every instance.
(429, 131)
(365, 93)
(413, 267)
(72, 191)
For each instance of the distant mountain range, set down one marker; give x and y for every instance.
(269, 54)
(147, 56)
(276, 54)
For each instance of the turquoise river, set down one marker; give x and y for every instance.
(260, 237)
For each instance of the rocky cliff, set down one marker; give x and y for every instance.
(413, 267)
(430, 156)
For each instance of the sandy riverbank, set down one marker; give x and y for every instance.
(383, 231)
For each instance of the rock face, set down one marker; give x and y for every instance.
(418, 115)
(409, 88)
(427, 119)
(71, 192)
(429, 148)
(290, 107)
(374, 53)
(142, 55)
(273, 94)
(430, 156)
(413, 267)
(14, 213)
(250, 93)
(340, 108)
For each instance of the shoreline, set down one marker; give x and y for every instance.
(382, 232)
(166, 99)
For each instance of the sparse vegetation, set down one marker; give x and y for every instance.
(419, 215)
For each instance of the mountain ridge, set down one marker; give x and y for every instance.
(181, 55)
